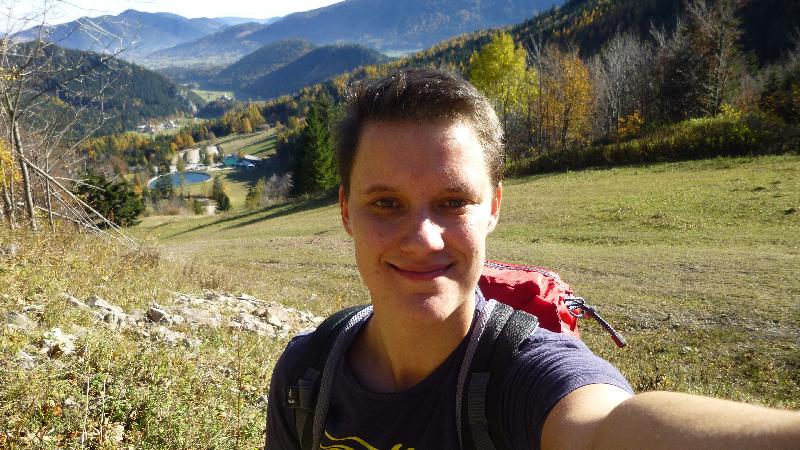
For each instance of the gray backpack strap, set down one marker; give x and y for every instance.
(484, 371)
(335, 358)
(302, 395)
(480, 325)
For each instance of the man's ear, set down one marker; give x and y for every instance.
(497, 197)
(343, 208)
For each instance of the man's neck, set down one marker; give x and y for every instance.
(392, 357)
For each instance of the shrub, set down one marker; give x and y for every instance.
(730, 133)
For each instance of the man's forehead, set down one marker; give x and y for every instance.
(453, 185)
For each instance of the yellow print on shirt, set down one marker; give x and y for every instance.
(352, 443)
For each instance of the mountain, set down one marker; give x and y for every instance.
(315, 66)
(141, 33)
(387, 25)
(240, 20)
(224, 47)
(261, 62)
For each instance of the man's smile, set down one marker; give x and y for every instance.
(421, 272)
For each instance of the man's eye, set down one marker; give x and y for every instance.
(385, 203)
(455, 203)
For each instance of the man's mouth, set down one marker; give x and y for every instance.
(422, 272)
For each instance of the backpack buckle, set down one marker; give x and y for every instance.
(300, 396)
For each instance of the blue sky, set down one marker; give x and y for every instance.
(60, 11)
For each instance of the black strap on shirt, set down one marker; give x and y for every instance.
(506, 329)
(301, 396)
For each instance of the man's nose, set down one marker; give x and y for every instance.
(424, 235)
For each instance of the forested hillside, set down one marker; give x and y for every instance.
(587, 25)
(112, 94)
(261, 62)
(315, 66)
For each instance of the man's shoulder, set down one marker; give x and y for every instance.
(563, 357)
(292, 354)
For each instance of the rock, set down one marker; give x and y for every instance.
(74, 301)
(69, 402)
(251, 323)
(262, 402)
(191, 342)
(115, 433)
(55, 343)
(309, 318)
(98, 303)
(25, 360)
(188, 299)
(200, 317)
(9, 250)
(174, 338)
(107, 312)
(164, 334)
(20, 321)
(116, 320)
(35, 309)
(137, 315)
(277, 316)
(158, 314)
(247, 297)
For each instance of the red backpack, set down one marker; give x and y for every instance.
(540, 292)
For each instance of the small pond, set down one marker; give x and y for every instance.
(188, 178)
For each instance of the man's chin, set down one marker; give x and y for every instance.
(425, 307)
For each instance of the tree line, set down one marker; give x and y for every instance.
(557, 107)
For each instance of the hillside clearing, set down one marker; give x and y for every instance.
(693, 261)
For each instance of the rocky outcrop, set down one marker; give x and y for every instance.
(173, 324)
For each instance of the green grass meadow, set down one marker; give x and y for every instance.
(260, 143)
(695, 263)
(212, 95)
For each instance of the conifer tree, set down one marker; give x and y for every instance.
(116, 201)
(219, 195)
(256, 195)
(314, 166)
(164, 186)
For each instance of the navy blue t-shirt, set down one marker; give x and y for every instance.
(548, 367)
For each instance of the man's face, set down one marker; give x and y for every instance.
(420, 207)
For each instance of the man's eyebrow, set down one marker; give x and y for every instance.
(455, 187)
(458, 187)
(377, 188)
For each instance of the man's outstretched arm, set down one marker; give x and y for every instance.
(603, 416)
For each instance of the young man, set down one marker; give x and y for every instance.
(420, 158)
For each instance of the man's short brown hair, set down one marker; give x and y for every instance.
(419, 95)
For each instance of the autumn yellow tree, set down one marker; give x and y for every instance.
(498, 71)
(245, 127)
(565, 103)
(9, 176)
